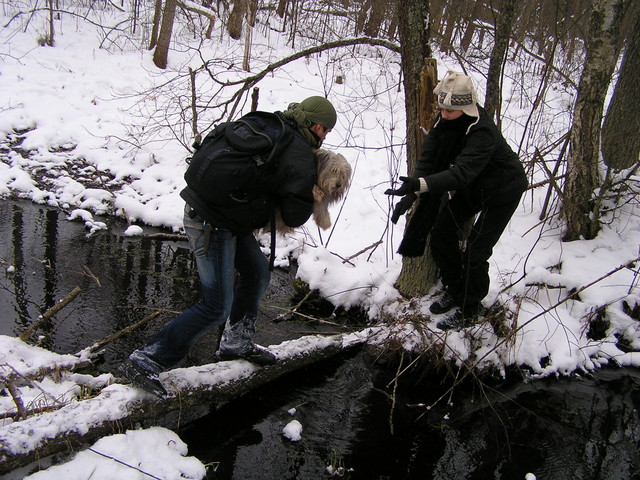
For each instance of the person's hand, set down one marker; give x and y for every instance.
(409, 185)
(402, 206)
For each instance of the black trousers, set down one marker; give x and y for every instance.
(464, 270)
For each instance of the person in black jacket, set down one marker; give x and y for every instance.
(465, 155)
(232, 269)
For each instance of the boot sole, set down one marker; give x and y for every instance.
(140, 378)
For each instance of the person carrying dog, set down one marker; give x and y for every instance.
(233, 271)
(464, 156)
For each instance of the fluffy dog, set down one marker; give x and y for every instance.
(334, 177)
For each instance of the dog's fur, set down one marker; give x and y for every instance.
(334, 178)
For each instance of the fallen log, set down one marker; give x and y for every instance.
(119, 406)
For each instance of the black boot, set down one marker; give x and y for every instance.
(237, 342)
(455, 321)
(141, 378)
(458, 320)
(443, 304)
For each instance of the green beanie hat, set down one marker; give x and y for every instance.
(312, 110)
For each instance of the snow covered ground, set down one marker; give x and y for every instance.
(78, 130)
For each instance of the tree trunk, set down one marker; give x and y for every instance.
(420, 77)
(251, 20)
(414, 49)
(136, 12)
(50, 39)
(503, 28)
(602, 48)
(419, 274)
(157, 16)
(620, 132)
(213, 385)
(161, 52)
(237, 17)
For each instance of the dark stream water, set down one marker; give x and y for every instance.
(569, 428)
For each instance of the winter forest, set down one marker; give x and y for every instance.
(101, 102)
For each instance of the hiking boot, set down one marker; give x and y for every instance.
(456, 321)
(255, 354)
(141, 378)
(445, 303)
(238, 336)
(237, 342)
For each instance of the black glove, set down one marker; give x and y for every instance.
(403, 205)
(409, 185)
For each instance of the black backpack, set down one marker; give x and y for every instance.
(236, 160)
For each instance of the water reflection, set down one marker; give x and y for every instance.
(558, 429)
(121, 279)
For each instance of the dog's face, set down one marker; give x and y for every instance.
(334, 173)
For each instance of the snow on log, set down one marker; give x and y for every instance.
(119, 406)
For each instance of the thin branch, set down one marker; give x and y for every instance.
(49, 313)
(373, 245)
(249, 82)
(123, 463)
(15, 394)
(101, 343)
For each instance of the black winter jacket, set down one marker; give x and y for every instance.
(462, 155)
(293, 181)
(468, 156)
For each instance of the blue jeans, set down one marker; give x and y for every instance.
(219, 255)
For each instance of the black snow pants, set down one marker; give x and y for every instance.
(464, 270)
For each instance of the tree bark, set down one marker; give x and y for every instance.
(157, 16)
(419, 274)
(414, 49)
(161, 52)
(602, 48)
(419, 78)
(503, 28)
(236, 18)
(50, 38)
(213, 385)
(620, 131)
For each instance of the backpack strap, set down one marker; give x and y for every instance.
(273, 238)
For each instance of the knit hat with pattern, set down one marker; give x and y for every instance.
(456, 92)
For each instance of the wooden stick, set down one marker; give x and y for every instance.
(175, 237)
(17, 398)
(49, 313)
(101, 343)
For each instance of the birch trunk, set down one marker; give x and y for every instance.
(584, 145)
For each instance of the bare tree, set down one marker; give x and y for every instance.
(503, 29)
(602, 49)
(157, 16)
(236, 18)
(418, 274)
(50, 38)
(161, 52)
(620, 138)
